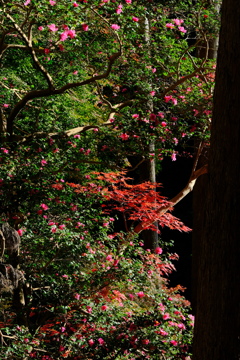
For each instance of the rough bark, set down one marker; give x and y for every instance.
(217, 328)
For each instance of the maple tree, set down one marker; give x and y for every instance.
(83, 90)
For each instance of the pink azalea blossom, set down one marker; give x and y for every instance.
(77, 296)
(101, 341)
(75, 4)
(178, 22)
(40, 28)
(52, 2)
(91, 342)
(75, 72)
(115, 27)
(27, 3)
(43, 162)
(53, 229)
(128, 1)
(64, 36)
(182, 29)
(104, 307)
(44, 206)
(72, 34)
(61, 227)
(134, 18)
(53, 27)
(109, 258)
(174, 342)
(140, 294)
(158, 250)
(135, 116)
(169, 25)
(6, 105)
(89, 309)
(161, 115)
(163, 123)
(124, 136)
(174, 156)
(152, 93)
(166, 316)
(85, 27)
(20, 232)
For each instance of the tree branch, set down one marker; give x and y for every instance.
(186, 190)
(51, 91)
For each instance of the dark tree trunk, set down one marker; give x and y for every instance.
(217, 328)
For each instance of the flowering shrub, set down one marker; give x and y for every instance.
(126, 69)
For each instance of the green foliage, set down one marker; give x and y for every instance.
(86, 87)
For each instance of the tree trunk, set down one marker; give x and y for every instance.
(199, 192)
(217, 328)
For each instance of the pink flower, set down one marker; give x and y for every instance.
(61, 227)
(145, 341)
(115, 27)
(140, 294)
(174, 156)
(85, 27)
(152, 93)
(109, 258)
(163, 332)
(135, 116)
(101, 341)
(52, 2)
(26, 340)
(52, 27)
(119, 9)
(154, 70)
(53, 229)
(128, 1)
(20, 232)
(169, 25)
(77, 136)
(91, 342)
(134, 18)
(163, 123)
(158, 250)
(44, 206)
(174, 101)
(161, 115)
(5, 105)
(77, 296)
(75, 72)
(167, 98)
(104, 307)
(64, 36)
(124, 136)
(72, 34)
(75, 4)
(40, 28)
(89, 309)
(27, 2)
(178, 22)
(174, 342)
(166, 316)
(182, 29)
